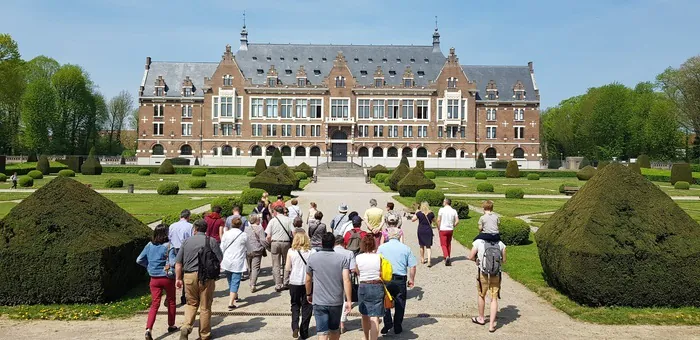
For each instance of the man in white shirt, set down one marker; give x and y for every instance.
(294, 210)
(178, 232)
(447, 221)
(234, 262)
(487, 284)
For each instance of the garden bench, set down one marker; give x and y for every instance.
(570, 191)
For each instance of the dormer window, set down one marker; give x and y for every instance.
(311, 59)
(261, 71)
(426, 60)
(383, 60)
(287, 71)
(228, 80)
(519, 95)
(255, 58)
(357, 60)
(324, 59)
(271, 82)
(159, 87)
(491, 90)
(451, 83)
(519, 91)
(407, 82)
(492, 95)
(295, 59)
(160, 91)
(301, 82)
(379, 82)
(392, 73)
(268, 58)
(187, 92)
(282, 58)
(421, 73)
(317, 72)
(370, 60)
(413, 60)
(363, 73)
(339, 81)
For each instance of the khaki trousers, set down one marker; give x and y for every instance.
(199, 296)
(279, 259)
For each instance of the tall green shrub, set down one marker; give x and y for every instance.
(35, 174)
(404, 161)
(251, 195)
(413, 181)
(227, 203)
(420, 165)
(276, 159)
(92, 165)
(644, 162)
(114, 183)
(681, 172)
(166, 168)
(554, 163)
(43, 165)
(274, 181)
(635, 168)
(260, 166)
(514, 231)
(168, 188)
(480, 162)
(399, 173)
(512, 170)
(462, 208)
(433, 197)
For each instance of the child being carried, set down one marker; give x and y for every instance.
(488, 224)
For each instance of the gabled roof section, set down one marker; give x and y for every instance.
(318, 61)
(505, 78)
(174, 73)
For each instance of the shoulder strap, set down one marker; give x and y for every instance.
(283, 228)
(234, 240)
(302, 257)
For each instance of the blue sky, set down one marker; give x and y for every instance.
(574, 44)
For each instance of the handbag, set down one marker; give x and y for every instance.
(169, 270)
(257, 237)
(386, 274)
(388, 300)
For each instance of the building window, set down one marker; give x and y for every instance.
(452, 131)
(227, 150)
(228, 80)
(315, 151)
(392, 152)
(519, 114)
(301, 130)
(339, 81)
(256, 151)
(440, 132)
(301, 82)
(453, 109)
(301, 108)
(422, 152)
(286, 108)
(422, 109)
(451, 83)
(450, 153)
(239, 129)
(378, 131)
(215, 107)
(363, 109)
(363, 152)
(158, 128)
(519, 95)
(393, 107)
(226, 106)
(271, 108)
(462, 132)
(378, 82)
(491, 114)
(271, 82)
(160, 91)
(377, 152)
(187, 129)
(408, 131)
(215, 151)
(286, 130)
(340, 108)
(300, 151)
(407, 82)
(239, 107)
(315, 130)
(439, 108)
(407, 109)
(186, 150)
(271, 130)
(363, 131)
(491, 95)
(407, 152)
(490, 132)
(187, 92)
(378, 108)
(518, 153)
(256, 130)
(286, 151)
(157, 111)
(158, 150)
(519, 132)
(187, 111)
(227, 129)
(316, 108)
(490, 153)
(422, 131)
(256, 107)
(464, 109)
(393, 131)
(215, 129)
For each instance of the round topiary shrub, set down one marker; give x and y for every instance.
(512, 170)
(251, 195)
(484, 187)
(3, 177)
(26, 182)
(199, 173)
(462, 208)
(66, 173)
(586, 173)
(514, 231)
(301, 175)
(114, 183)
(515, 193)
(433, 197)
(533, 177)
(197, 183)
(644, 162)
(499, 164)
(35, 174)
(166, 168)
(227, 204)
(144, 172)
(381, 177)
(415, 180)
(377, 169)
(43, 165)
(168, 188)
(561, 187)
(251, 174)
(305, 168)
(481, 176)
(681, 172)
(430, 174)
(274, 181)
(682, 185)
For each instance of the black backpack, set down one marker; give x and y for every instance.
(207, 262)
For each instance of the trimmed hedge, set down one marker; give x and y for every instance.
(421, 165)
(3, 177)
(166, 168)
(386, 180)
(415, 180)
(73, 162)
(92, 166)
(26, 182)
(227, 204)
(301, 175)
(251, 174)
(603, 164)
(180, 161)
(514, 231)
(512, 170)
(305, 168)
(377, 169)
(276, 159)
(43, 165)
(251, 195)
(199, 173)
(462, 208)
(682, 185)
(533, 177)
(168, 188)
(170, 219)
(397, 175)
(290, 174)
(480, 162)
(114, 183)
(260, 166)
(481, 176)
(635, 168)
(586, 173)
(197, 183)
(433, 197)
(500, 164)
(35, 174)
(80, 247)
(381, 177)
(644, 162)
(484, 187)
(404, 161)
(501, 173)
(515, 193)
(429, 174)
(66, 173)
(181, 170)
(554, 164)
(681, 172)
(274, 181)
(144, 172)
(584, 163)
(561, 187)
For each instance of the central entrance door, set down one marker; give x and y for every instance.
(339, 151)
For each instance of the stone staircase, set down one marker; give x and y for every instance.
(340, 169)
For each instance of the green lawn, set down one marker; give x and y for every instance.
(152, 207)
(31, 165)
(11, 196)
(517, 207)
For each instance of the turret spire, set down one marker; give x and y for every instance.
(436, 38)
(244, 36)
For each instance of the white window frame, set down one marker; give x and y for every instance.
(378, 111)
(215, 129)
(274, 113)
(519, 114)
(286, 107)
(493, 134)
(364, 108)
(342, 105)
(257, 107)
(226, 103)
(301, 107)
(228, 80)
(256, 130)
(521, 130)
(186, 129)
(313, 105)
(162, 128)
(286, 130)
(407, 108)
(422, 131)
(158, 110)
(215, 107)
(238, 128)
(186, 111)
(301, 130)
(389, 105)
(315, 130)
(271, 130)
(491, 114)
(239, 107)
(453, 108)
(423, 103)
(225, 130)
(339, 82)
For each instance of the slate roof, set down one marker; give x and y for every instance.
(505, 78)
(358, 57)
(174, 73)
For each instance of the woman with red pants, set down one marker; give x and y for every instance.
(159, 259)
(446, 221)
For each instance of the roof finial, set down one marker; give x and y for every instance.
(436, 27)
(244, 19)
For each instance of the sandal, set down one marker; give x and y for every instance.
(476, 321)
(231, 307)
(492, 330)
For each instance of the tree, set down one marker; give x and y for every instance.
(682, 86)
(41, 67)
(118, 110)
(38, 114)
(11, 88)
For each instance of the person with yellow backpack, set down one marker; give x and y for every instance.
(398, 271)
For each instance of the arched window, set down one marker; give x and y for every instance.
(256, 151)
(451, 153)
(461, 153)
(490, 153)
(392, 152)
(158, 150)
(186, 150)
(226, 150)
(215, 151)
(518, 153)
(408, 152)
(421, 152)
(270, 150)
(315, 151)
(363, 152)
(377, 152)
(300, 151)
(286, 151)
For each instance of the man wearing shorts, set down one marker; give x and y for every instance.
(328, 287)
(486, 284)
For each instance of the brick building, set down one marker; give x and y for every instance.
(360, 103)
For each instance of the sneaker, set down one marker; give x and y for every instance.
(148, 335)
(172, 329)
(385, 330)
(448, 263)
(295, 333)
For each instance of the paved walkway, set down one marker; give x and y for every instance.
(438, 307)
(124, 191)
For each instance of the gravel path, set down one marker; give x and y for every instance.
(438, 307)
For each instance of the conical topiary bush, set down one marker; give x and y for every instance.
(404, 161)
(397, 175)
(615, 241)
(480, 162)
(92, 165)
(276, 159)
(260, 166)
(166, 168)
(414, 181)
(43, 165)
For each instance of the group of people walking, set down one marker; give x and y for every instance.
(356, 259)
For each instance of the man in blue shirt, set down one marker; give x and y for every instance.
(178, 232)
(403, 264)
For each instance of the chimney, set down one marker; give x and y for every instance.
(529, 65)
(148, 63)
